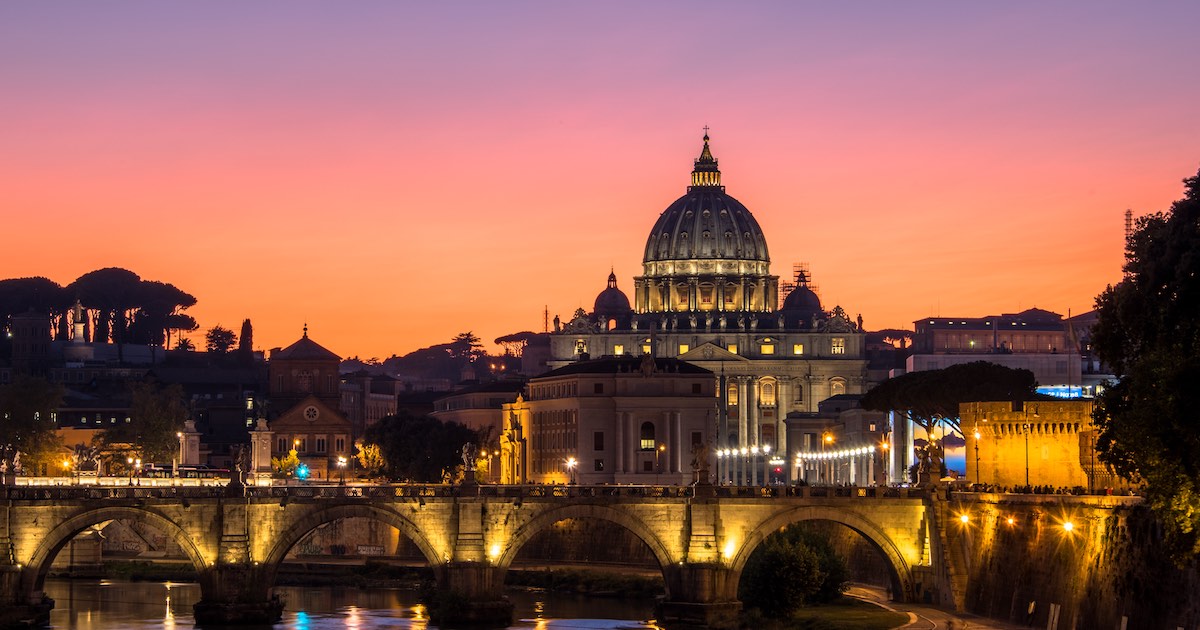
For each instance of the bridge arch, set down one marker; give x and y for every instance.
(901, 573)
(543, 520)
(34, 575)
(300, 528)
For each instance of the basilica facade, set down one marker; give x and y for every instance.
(706, 296)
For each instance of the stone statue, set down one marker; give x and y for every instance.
(742, 322)
(700, 459)
(557, 324)
(721, 324)
(708, 322)
(754, 322)
(692, 321)
(468, 456)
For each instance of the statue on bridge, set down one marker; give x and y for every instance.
(468, 457)
(700, 453)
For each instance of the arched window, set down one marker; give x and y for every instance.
(647, 436)
(837, 386)
(732, 394)
(768, 393)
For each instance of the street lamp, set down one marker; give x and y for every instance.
(657, 463)
(766, 452)
(341, 464)
(977, 436)
(827, 441)
(571, 463)
(129, 461)
(66, 464)
(1025, 431)
(883, 449)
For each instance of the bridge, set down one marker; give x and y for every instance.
(701, 536)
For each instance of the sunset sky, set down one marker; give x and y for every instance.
(395, 173)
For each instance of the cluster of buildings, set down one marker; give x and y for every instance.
(709, 367)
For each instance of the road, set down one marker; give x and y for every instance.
(926, 617)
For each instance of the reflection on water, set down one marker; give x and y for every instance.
(105, 604)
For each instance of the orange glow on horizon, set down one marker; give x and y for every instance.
(395, 176)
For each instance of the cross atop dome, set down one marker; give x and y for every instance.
(705, 172)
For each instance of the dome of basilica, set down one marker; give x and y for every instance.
(706, 223)
(612, 301)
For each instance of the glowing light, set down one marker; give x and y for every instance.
(494, 551)
(729, 549)
(1068, 526)
(964, 519)
(1011, 521)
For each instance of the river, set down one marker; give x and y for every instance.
(106, 604)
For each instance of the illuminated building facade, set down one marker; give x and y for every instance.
(706, 296)
(610, 420)
(305, 387)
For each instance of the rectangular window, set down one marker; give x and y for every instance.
(282, 445)
(618, 349)
(598, 441)
(647, 444)
(696, 388)
(320, 445)
(597, 388)
(837, 345)
(697, 438)
(797, 348)
(683, 347)
(598, 466)
(302, 445)
(768, 348)
(645, 348)
(340, 445)
(647, 466)
(872, 429)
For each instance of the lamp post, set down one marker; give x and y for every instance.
(1025, 431)
(977, 436)
(571, 463)
(827, 441)
(657, 460)
(341, 464)
(766, 452)
(66, 465)
(179, 459)
(129, 461)
(883, 449)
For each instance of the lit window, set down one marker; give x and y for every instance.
(645, 348)
(797, 348)
(768, 393)
(618, 349)
(838, 345)
(647, 436)
(733, 394)
(733, 348)
(683, 347)
(768, 348)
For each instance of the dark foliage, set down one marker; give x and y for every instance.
(793, 568)
(1148, 330)
(420, 449)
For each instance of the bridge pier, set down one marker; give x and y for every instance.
(701, 595)
(18, 606)
(470, 594)
(236, 594)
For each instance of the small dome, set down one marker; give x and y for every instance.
(612, 301)
(803, 299)
(801, 308)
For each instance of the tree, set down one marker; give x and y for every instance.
(789, 570)
(286, 466)
(185, 345)
(420, 449)
(156, 415)
(27, 424)
(466, 347)
(932, 397)
(246, 343)
(1148, 332)
(219, 339)
(370, 459)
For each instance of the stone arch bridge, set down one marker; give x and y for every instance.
(702, 536)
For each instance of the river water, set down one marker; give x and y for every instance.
(106, 604)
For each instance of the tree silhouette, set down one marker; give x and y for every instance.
(219, 339)
(246, 343)
(1148, 330)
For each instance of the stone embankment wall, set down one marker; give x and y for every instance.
(1087, 562)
